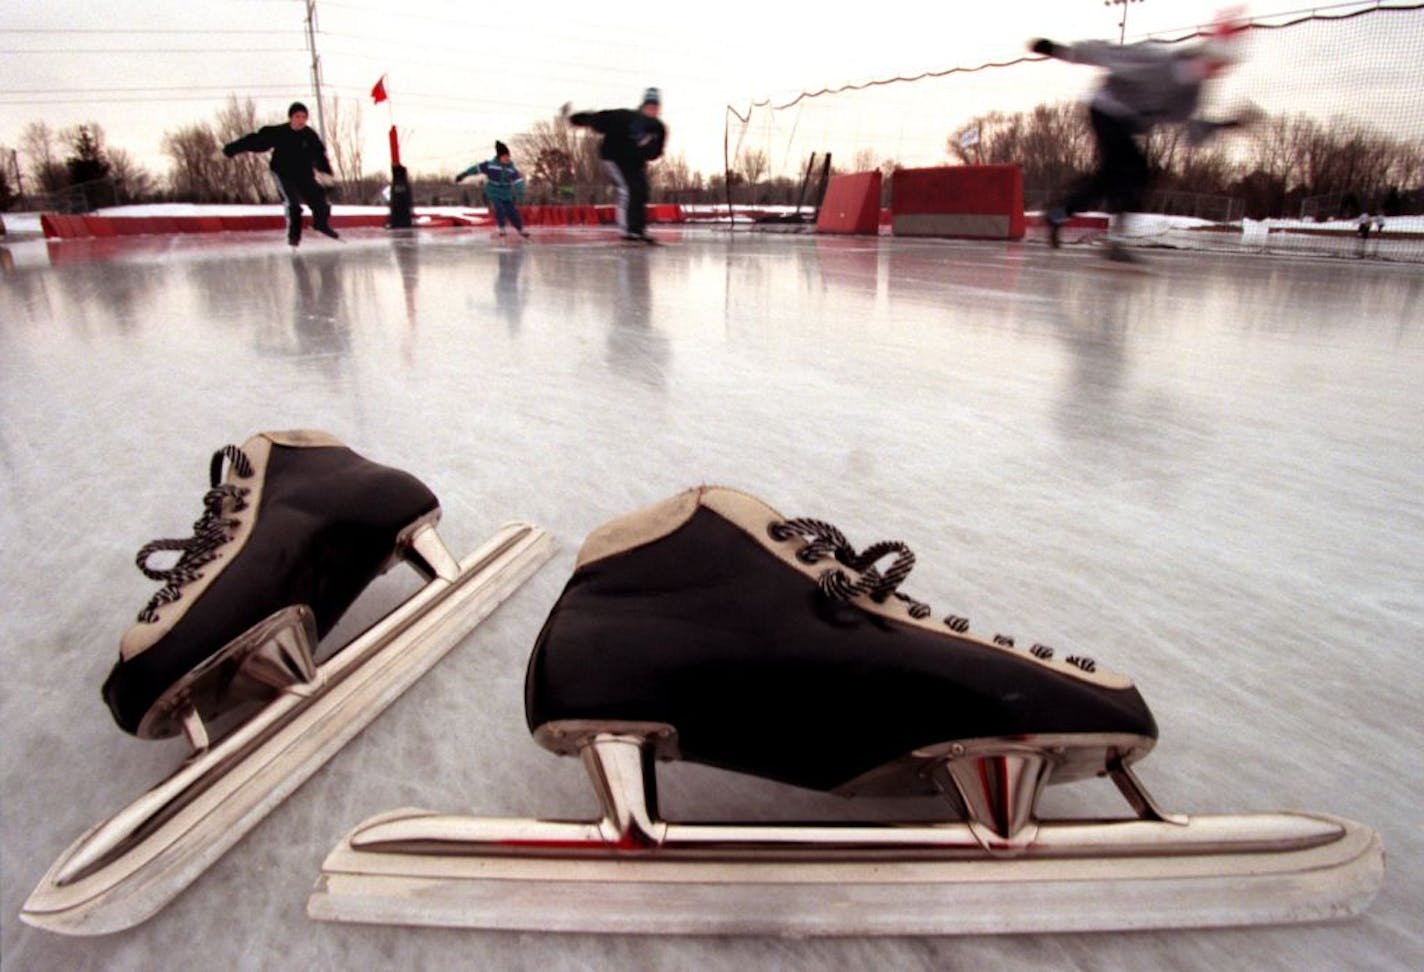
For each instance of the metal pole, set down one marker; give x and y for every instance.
(1122, 24)
(315, 61)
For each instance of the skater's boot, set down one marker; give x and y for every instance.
(326, 230)
(770, 646)
(288, 538)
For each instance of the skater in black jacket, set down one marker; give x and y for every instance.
(631, 139)
(297, 156)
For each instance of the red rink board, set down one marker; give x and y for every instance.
(851, 205)
(982, 202)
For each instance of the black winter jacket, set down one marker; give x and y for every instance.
(629, 137)
(295, 152)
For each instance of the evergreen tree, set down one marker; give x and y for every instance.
(88, 166)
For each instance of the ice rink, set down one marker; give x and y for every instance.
(1210, 478)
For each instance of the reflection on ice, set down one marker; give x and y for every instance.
(1211, 478)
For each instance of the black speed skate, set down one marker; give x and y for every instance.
(713, 629)
(289, 537)
(294, 532)
(813, 641)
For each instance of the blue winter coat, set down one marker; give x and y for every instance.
(503, 183)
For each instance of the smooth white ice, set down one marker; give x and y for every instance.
(1211, 478)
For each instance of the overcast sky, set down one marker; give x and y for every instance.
(462, 74)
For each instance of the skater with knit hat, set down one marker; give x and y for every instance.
(631, 139)
(298, 155)
(504, 187)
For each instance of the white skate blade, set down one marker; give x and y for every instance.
(1284, 868)
(174, 832)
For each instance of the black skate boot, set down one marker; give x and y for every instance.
(771, 647)
(711, 628)
(296, 530)
(288, 539)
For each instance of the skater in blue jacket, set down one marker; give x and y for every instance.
(504, 187)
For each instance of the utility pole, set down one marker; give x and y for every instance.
(1122, 25)
(315, 61)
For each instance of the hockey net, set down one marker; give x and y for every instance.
(1339, 139)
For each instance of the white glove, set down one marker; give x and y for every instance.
(566, 109)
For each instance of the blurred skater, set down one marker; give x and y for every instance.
(504, 187)
(297, 157)
(1146, 85)
(1363, 227)
(631, 139)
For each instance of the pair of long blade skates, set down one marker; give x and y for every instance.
(707, 627)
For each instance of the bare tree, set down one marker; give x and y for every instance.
(245, 176)
(199, 172)
(1051, 143)
(132, 182)
(566, 166)
(343, 139)
(674, 175)
(37, 144)
(752, 164)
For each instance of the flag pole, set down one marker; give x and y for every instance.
(400, 204)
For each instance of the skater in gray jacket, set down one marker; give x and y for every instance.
(1146, 85)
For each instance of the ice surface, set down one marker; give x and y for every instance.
(1211, 478)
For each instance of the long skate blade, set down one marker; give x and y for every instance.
(105, 883)
(1317, 868)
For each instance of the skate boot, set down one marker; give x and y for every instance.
(814, 641)
(711, 628)
(326, 230)
(289, 537)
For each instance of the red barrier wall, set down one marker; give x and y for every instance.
(851, 204)
(61, 226)
(982, 202)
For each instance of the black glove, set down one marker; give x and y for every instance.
(228, 151)
(459, 177)
(1045, 47)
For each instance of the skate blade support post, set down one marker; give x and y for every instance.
(125, 869)
(1002, 871)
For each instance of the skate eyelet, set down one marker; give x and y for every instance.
(778, 532)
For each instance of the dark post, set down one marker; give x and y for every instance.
(400, 199)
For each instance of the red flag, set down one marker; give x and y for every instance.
(378, 93)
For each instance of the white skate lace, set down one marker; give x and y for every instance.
(210, 532)
(824, 540)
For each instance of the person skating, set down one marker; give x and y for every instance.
(631, 139)
(298, 155)
(504, 187)
(1146, 85)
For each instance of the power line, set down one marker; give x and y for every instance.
(234, 88)
(143, 30)
(156, 50)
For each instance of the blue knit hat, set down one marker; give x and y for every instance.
(652, 97)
